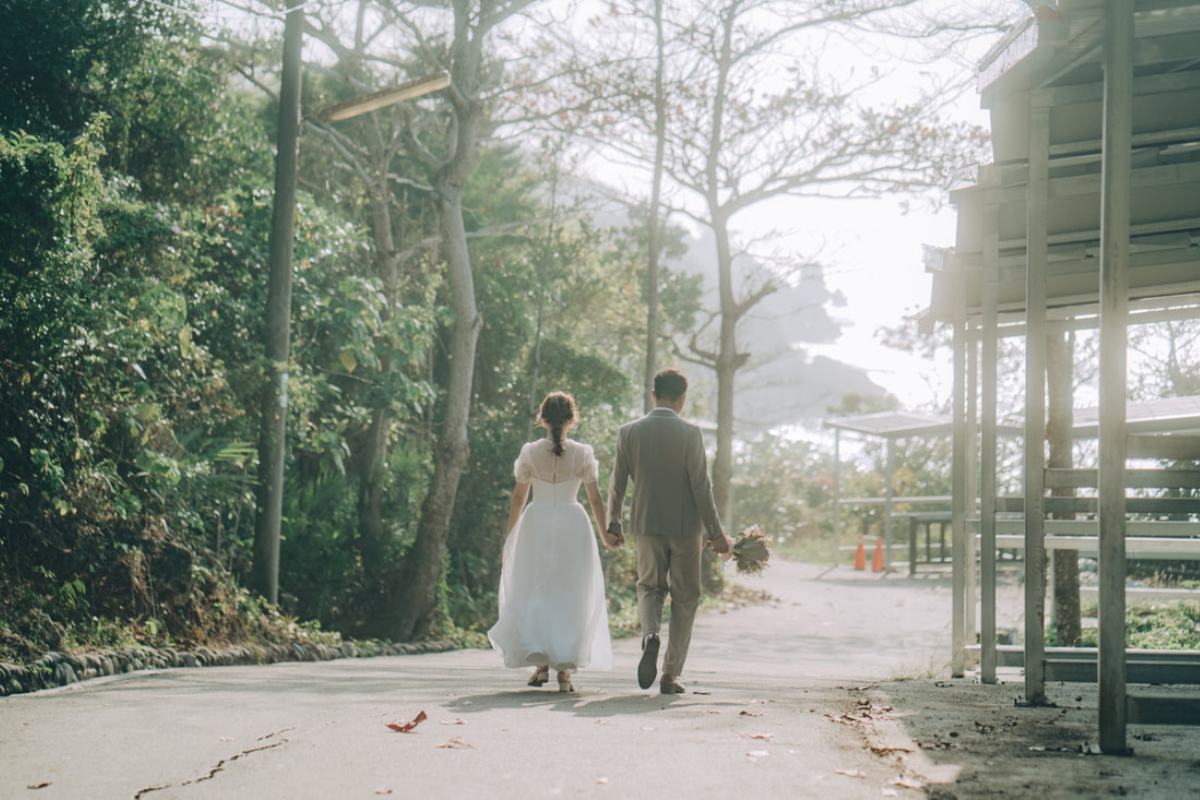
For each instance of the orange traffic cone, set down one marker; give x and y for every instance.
(877, 561)
(860, 556)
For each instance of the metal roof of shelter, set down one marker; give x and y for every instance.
(1167, 415)
(894, 424)
(905, 424)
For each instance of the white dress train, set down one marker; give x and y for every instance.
(552, 605)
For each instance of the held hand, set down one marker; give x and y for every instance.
(612, 541)
(720, 544)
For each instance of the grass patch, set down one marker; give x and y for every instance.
(1154, 626)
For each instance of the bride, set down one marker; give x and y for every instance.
(552, 605)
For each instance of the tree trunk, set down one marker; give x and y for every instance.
(416, 596)
(727, 355)
(414, 601)
(726, 368)
(536, 367)
(660, 143)
(1060, 358)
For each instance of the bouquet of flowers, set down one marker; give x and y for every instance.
(750, 551)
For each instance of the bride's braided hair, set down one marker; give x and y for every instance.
(558, 410)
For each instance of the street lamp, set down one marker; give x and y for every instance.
(383, 98)
(271, 451)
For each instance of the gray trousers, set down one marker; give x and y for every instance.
(669, 565)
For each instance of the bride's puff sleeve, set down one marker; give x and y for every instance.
(591, 467)
(523, 468)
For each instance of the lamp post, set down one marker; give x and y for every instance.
(273, 429)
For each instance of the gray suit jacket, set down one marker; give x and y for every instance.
(672, 496)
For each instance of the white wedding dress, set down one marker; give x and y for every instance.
(552, 606)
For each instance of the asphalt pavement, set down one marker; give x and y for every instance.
(766, 684)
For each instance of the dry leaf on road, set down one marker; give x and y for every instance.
(454, 744)
(405, 727)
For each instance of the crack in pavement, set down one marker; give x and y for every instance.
(220, 765)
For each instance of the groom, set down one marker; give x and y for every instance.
(672, 506)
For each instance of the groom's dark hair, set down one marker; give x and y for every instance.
(670, 385)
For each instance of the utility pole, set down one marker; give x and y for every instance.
(273, 431)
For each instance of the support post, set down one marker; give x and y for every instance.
(1114, 311)
(273, 426)
(987, 457)
(958, 533)
(889, 493)
(972, 482)
(1035, 406)
(837, 494)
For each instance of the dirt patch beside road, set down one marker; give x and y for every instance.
(967, 740)
(888, 637)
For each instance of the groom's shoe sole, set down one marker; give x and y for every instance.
(648, 666)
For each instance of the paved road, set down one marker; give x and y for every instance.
(763, 678)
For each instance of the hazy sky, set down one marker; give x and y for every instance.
(871, 248)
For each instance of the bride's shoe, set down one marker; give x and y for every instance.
(564, 682)
(540, 677)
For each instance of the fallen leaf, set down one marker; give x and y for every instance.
(842, 718)
(697, 691)
(766, 737)
(883, 751)
(907, 783)
(851, 773)
(750, 714)
(454, 744)
(405, 727)
(381, 790)
(758, 753)
(454, 721)
(41, 785)
(601, 780)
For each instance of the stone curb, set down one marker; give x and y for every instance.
(58, 668)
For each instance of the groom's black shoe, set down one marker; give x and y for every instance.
(648, 666)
